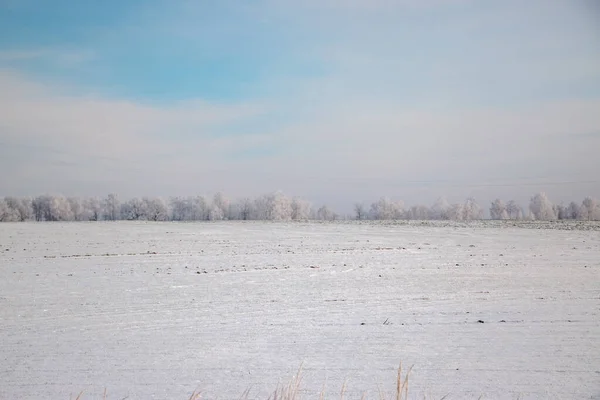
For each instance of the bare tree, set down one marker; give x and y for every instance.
(359, 211)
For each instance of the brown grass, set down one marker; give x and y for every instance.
(291, 390)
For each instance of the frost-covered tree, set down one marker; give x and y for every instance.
(260, 208)
(300, 209)
(189, 208)
(455, 212)
(325, 214)
(541, 208)
(279, 207)
(93, 209)
(21, 207)
(219, 207)
(77, 209)
(245, 208)
(61, 209)
(133, 210)
(440, 208)
(200, 209)
(590, 209)
(155, 209)
(386, 209)
(52, 208)
(180, 208)
(112, 207)
(514, 210)
(573, 211)
(216, 213)
(418, 212)
(471, 210)
(561, 211)
(7, 214)
(498, 210)
(39, 206)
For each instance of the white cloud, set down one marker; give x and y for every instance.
(59, 57)
(357, 149)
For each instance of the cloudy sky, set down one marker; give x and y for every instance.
(336, 101)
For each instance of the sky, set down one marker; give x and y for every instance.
(334, 101)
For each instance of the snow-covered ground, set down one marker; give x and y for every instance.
(157, 310)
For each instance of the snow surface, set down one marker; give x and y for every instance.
(157, 310)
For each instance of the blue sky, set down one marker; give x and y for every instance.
(337, 101)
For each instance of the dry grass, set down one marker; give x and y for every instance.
(291, 390)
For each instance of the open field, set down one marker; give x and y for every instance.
(158, 310)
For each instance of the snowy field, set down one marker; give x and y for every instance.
(157, 310)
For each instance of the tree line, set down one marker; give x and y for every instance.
(277, 207)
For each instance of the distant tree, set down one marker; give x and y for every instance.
(180, 209)
(133, 210)
(300, 209)
(498, 210)
(77, 209)
(278, 207)
(455, 212)
(93, 209)
(573, 211)
(359, 211)
(260, 209)
(590, 209)
(418, 212)
(200, 209)
(386, 209)
(21, 207)
(325, 214)
(514, 210)
(112, 207)
(561, 211)
(542, 208)
(155, 209)
(219, 208)
(440, 209)
(472, 210)
(7, 214)
(38, 205)
(52, 208)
